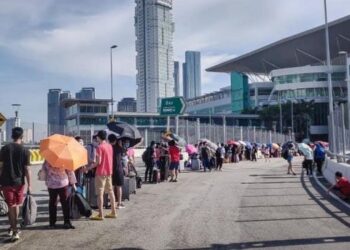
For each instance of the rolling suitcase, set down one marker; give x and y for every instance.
(195, 164)
(132, 185)
(126, 189)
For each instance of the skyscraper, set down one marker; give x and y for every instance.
(177, 78)
(192, 74)
(55, 112)
(154, 30)
(86, 94)
(127, 104)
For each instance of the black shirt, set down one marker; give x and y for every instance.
(15, 158)
(117, 157)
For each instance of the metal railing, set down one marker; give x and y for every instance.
(190, 130)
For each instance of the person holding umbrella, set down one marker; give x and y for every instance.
(57, 181)
(118, 174)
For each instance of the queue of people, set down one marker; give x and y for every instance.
(104, 174)
(110, 159)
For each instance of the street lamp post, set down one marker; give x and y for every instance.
(112, 96)
(16, 107)
(292, 117)
(280, 109)
(347, 79)
(329, 81)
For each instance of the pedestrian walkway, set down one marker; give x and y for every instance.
(247, 205)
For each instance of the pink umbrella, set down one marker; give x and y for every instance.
(190, 149)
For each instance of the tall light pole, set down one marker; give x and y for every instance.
(16, 107)
(331, 136)
(292, 116)
(347, 79)
(112, 96)
(280, 109)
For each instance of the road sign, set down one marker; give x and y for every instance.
(2, 119)
(172, 106)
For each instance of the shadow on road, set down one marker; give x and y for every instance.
(323, 196)
(266, 244)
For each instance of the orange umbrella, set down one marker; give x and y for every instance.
(63, 152)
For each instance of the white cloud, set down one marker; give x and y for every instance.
(69, 40)
(82, 48)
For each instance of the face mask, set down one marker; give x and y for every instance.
(126, 145)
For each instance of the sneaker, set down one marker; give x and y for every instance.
(121, 206)
(9, 232)
(111, 216)
(68, 226)
(175, 180)
(15, 236)
(96, 217)
(52, 226)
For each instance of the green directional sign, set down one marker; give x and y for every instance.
(172, 106)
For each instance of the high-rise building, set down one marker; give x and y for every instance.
(85, 94)
(10, 124)
(177, 78)
(154, 30)
(192, 74)
(127, 104)
(55, 111)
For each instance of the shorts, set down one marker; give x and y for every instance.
(174, 165)
(13, 195)
(103, 184)
(118, 178)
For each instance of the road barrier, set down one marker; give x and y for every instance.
(35, 157)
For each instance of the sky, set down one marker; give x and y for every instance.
(65, 44)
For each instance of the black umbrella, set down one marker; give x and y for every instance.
(125, 131)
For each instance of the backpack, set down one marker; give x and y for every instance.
(285, 154)
(320, 153)
(3, 206)
(146, 156)
(218, 152)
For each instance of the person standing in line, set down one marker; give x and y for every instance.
(164, 162)
(266, 151)
(308, 162)
(174, 153)
(220, 156)
(14, 169)
(90, 175)
(118, 173)
(103, 176)
(80, 173)
(290, 154)
(205, 155)
(254, 152)
(57, 182)
(149, 161)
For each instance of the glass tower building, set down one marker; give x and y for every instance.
(192, 74)
(177, 78)
(154, 30)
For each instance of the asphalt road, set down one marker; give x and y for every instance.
(246, 206)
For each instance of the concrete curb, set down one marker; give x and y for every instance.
(331, 194)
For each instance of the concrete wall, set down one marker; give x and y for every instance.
(331, 166)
